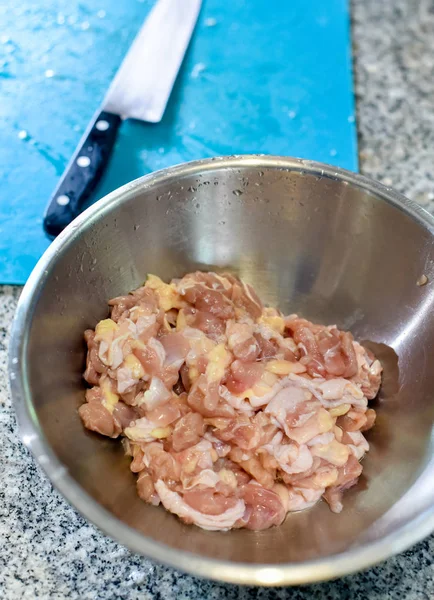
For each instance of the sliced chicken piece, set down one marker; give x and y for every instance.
(174, 503)
(188, 431)
(266, 507)
(97, 418)
(348, 476)
(243, 376)
(146, 489)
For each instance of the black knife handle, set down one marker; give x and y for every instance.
(82, 173)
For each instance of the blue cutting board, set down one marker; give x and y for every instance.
(267, 76)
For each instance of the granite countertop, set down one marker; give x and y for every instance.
(48, 551)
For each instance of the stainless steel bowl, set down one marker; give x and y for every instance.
(328, 244)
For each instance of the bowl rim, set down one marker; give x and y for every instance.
(315, 570)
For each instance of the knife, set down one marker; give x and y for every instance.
(140, 90)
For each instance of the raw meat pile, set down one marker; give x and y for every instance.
(232, 413)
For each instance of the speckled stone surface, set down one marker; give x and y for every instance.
(48, 551)
(394, 69)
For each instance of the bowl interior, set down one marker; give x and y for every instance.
(309, 243)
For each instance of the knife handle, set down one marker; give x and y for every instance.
(82, 173)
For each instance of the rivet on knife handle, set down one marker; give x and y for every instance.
(82, 173)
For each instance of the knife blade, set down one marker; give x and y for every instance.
(140, 90)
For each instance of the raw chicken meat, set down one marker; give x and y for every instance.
(233, 414)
